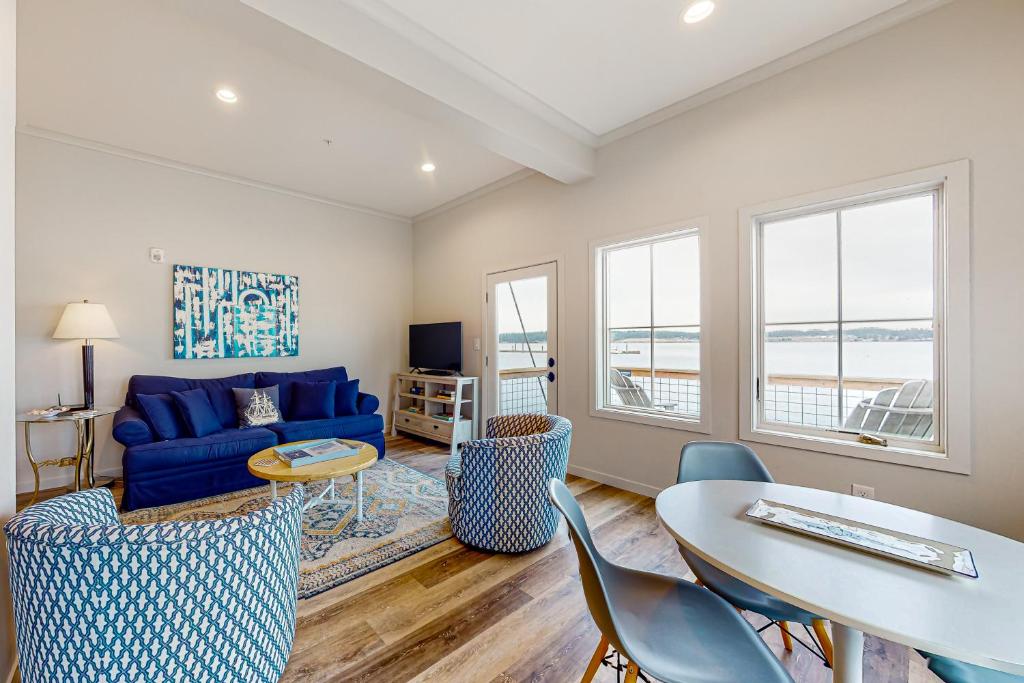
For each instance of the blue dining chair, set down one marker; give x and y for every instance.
(716, 460)
(955, 671)
(664, 626)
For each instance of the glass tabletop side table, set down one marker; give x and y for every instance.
(85, 432)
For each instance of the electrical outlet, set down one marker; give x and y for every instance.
(156, 255)
(862, 491)
(476, 343)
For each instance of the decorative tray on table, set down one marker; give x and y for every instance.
(896, 545)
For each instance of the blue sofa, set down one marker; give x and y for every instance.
(160, 472)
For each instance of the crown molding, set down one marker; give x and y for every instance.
(852, 34)
(112, 150)
(521, 174)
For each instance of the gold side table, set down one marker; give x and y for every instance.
(85, 432)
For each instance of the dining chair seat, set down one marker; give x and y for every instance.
(743, 595)
(955, 671)
(665, 626)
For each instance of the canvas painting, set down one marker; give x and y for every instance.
(222, 313)
(896, 545)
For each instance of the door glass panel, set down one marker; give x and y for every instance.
(521, 317)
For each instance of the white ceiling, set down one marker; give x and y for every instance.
(141, 75)
(606, 63)
(482, 88)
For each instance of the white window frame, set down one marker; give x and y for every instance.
(598, 356)
(952, 320)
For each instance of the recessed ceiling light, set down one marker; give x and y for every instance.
(428, 167)
(227, 95)
(698, 11)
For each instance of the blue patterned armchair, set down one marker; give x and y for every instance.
(497, 487)
(209, 601)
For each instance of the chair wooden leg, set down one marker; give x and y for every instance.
(787, 640)
(595, 661)
(823, 638)
(632, 671)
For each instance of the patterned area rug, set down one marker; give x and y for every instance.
(404, 511)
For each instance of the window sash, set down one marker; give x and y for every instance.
(604, 333)
(935, 190)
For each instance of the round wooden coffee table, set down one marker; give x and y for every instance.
(266, 465)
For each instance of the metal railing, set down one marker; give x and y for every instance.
(522, 390)
(807, 400)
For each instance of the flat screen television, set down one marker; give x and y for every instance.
(437, 346)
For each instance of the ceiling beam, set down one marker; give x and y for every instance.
(468, 100)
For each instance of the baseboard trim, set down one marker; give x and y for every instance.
(61, 480)
(618, 482)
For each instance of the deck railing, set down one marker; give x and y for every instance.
(808, 400)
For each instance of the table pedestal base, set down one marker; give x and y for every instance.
(848, 666)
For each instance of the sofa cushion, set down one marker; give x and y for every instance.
(312, 400)
(218, 389)
(284, 380)
(162, 415)
(189, 452)
(350, 426)
(346, 398)
(222, 398)
(197, 412)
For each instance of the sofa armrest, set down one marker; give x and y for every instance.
(367, 404)
(130, 429)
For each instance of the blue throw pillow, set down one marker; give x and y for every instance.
(312, 400)
(257, 407)
(346, 397)
(162, 415)
(197, 411)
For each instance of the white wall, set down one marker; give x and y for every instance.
(8, 11)
(945, 86)
(86, 221)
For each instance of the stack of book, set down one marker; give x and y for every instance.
(298, 455)
(446, 394)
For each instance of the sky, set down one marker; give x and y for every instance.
(887, 257)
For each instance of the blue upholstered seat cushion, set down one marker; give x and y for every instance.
(346, 397)
(161, 413)
(188, 452)
(197, 412)
(312, 400)
(284, 380)
(349, 426)
(217, 389)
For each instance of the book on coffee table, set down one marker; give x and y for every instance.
(299, 455)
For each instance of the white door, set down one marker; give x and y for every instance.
(520, 355)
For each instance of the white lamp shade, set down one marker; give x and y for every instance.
(83, 320)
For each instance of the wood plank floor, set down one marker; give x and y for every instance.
(456, 615)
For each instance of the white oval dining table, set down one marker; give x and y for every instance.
(980, 621)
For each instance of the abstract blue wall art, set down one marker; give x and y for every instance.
(221, 313)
